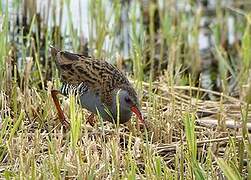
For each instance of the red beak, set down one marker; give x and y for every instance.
(138, 114)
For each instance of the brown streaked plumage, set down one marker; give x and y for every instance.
(98, 83)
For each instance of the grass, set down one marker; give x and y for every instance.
(189, 135)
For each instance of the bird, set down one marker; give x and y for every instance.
(101, 87)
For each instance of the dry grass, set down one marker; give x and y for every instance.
(35, 145)
(187, 137)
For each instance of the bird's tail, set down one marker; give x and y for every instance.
(63, 57)
(54, 50)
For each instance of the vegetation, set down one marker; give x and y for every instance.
(194, 131)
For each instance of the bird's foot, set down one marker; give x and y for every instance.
(66, 124)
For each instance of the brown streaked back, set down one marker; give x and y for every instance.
(98, 75)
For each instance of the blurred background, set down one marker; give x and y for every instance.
(189, 61)
(207, 41)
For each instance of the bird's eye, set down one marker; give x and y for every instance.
(127, 100)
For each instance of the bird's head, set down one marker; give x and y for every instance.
(129, 103)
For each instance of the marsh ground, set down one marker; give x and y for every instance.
(188, 60)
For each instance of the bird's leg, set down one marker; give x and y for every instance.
(61, 115)
(91, 119)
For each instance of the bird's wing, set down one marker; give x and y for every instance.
(98, 75)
